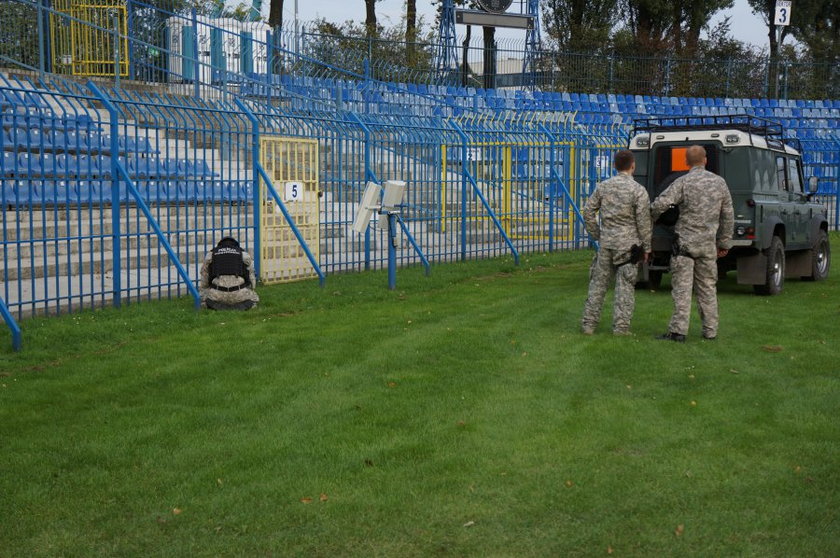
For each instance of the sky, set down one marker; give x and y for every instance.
(744, 25)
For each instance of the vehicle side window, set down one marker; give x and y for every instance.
(794, 180)
(781, 173)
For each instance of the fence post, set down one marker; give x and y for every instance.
(42, 67)
(464, 178)
(197, 64)
(129, 7)
(369, 175)
(115, 20)
(116, 207)
(255, 194)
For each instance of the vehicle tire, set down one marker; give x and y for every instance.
(820, 258)
(775, 274)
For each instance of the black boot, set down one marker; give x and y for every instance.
(671, 336)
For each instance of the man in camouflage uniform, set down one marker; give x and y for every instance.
(624, 208)
(704, 233)
(227, 278)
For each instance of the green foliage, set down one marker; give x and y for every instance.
(462, 414)
(579, 26)
(389, 56)
(19, 33)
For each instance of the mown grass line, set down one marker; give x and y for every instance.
(462, 414)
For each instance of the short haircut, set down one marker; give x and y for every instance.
(694, 155)
(624, 160)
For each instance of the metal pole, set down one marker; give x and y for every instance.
(369, 176)
(297, 31)
(116, 205)
(392, 251)
(196, 64)
(42, 66)
(115, 17)
(256, 195)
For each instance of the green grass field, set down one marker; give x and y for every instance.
(461, 415)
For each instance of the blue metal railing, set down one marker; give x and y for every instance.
(90, 196)
(13, 326)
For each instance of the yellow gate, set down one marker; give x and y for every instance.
(83, 42)
(517, 187)
(292, 165)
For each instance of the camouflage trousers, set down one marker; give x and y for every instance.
(697, 275)
(243, 299)
(602, 273)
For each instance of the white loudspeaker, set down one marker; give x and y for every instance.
(369, 204)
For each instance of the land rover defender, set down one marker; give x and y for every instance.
(780, 232)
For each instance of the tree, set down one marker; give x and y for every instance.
(275, 21)
(776, 34)
(275, 14)
(650, 22)
(580, 25)
(370, 18)
(728, 67)
(669, 26)
(410, 28)
(690, 18)
(816, 25)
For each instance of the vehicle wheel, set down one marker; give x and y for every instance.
(820, 258)
(654, 279)
(775, 274)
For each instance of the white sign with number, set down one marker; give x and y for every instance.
(783, 11)
(294, 192)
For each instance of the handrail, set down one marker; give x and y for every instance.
(13, 326)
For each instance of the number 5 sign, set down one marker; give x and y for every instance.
(783, 11)
(294, 192)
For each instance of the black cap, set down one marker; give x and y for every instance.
(228, 240)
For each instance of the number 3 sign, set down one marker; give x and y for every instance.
(783, 10)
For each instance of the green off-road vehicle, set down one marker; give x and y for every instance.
(779, 231)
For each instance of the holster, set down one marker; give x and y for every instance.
(637, 254)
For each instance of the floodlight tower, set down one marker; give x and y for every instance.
(532, 46)
(447, 56)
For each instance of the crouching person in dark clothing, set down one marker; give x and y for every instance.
(227, 278)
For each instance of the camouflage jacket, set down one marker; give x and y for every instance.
(625, 214)
(706, 217)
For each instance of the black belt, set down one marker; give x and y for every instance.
(229, 289)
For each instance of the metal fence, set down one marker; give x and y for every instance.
(113, 194)
(111, 197)
(174, 42)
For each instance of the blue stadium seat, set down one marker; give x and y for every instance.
(84, 165)
(7, 191)
(28, 191)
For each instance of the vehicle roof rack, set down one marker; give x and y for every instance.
(771, 130)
